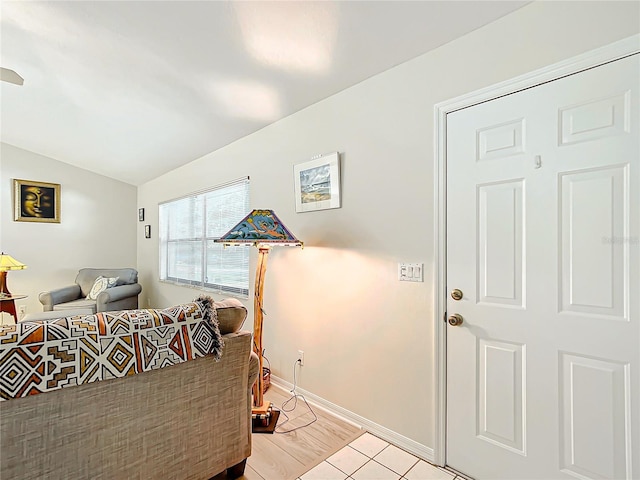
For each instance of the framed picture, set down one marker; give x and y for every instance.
(141, 214)
(317, 183)
(36, 201)
(147, 231)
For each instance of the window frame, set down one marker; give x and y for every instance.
(204, 239)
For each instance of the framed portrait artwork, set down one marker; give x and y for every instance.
(317, 183)
(36, 201)
(147, 231)
(141, 214)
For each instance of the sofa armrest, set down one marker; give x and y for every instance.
(254, 365)
(59, 295)
(114, 294)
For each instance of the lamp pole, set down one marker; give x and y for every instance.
(263, 256)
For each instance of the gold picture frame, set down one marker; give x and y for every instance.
(36, 201)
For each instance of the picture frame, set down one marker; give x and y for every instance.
(36, 201)
(141, 214)
(147, 231)
(317, 183)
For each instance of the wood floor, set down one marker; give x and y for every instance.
(286, 456)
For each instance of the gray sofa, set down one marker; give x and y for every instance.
(186, 421)
(124, 296)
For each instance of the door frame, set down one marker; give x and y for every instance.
(585, 61)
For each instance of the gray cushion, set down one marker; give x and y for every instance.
(81, 303)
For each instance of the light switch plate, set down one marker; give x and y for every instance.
(410, 272)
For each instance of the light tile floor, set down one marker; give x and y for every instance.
(371, 458)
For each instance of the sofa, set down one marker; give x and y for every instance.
(122, 296)
(189, 420)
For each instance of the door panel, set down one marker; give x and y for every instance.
(594, 277)
(543, 238)
(503, 140)
(595, 119)
(593, 400)
(501, 395)
(500, 264)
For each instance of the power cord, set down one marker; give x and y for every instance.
(294, 398)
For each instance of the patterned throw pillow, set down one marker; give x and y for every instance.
(100, 285)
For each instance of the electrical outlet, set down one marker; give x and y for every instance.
(301, 357)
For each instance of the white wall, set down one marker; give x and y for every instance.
(97, 228)
(368, 339)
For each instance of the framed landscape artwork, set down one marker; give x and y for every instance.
(317, 183)
(36, 201)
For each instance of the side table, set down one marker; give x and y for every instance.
(8, 304)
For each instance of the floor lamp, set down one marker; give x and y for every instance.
(262, 229)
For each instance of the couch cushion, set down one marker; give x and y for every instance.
(231, 315)
(81, 303)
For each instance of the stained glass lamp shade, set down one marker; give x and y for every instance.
(262, 229)
(7, 262)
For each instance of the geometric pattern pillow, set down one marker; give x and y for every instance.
(100, 285)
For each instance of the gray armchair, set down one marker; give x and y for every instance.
(123, 296)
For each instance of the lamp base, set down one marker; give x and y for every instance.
(264, 418)
(261, 410)
(4, 291)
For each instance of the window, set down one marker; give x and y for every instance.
(188, 228)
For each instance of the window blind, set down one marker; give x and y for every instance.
(188, 227)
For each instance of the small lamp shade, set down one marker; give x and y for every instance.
(7, 262)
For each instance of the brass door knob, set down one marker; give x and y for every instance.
(456, 294)
(455, 320)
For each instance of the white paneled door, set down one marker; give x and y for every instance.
(543, 241)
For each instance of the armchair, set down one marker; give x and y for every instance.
(123, 296)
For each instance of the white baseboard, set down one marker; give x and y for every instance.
(411, 446)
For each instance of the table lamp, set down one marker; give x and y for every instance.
(262, 229)
(7, 262)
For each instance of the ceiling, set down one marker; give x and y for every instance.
(132, 90)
